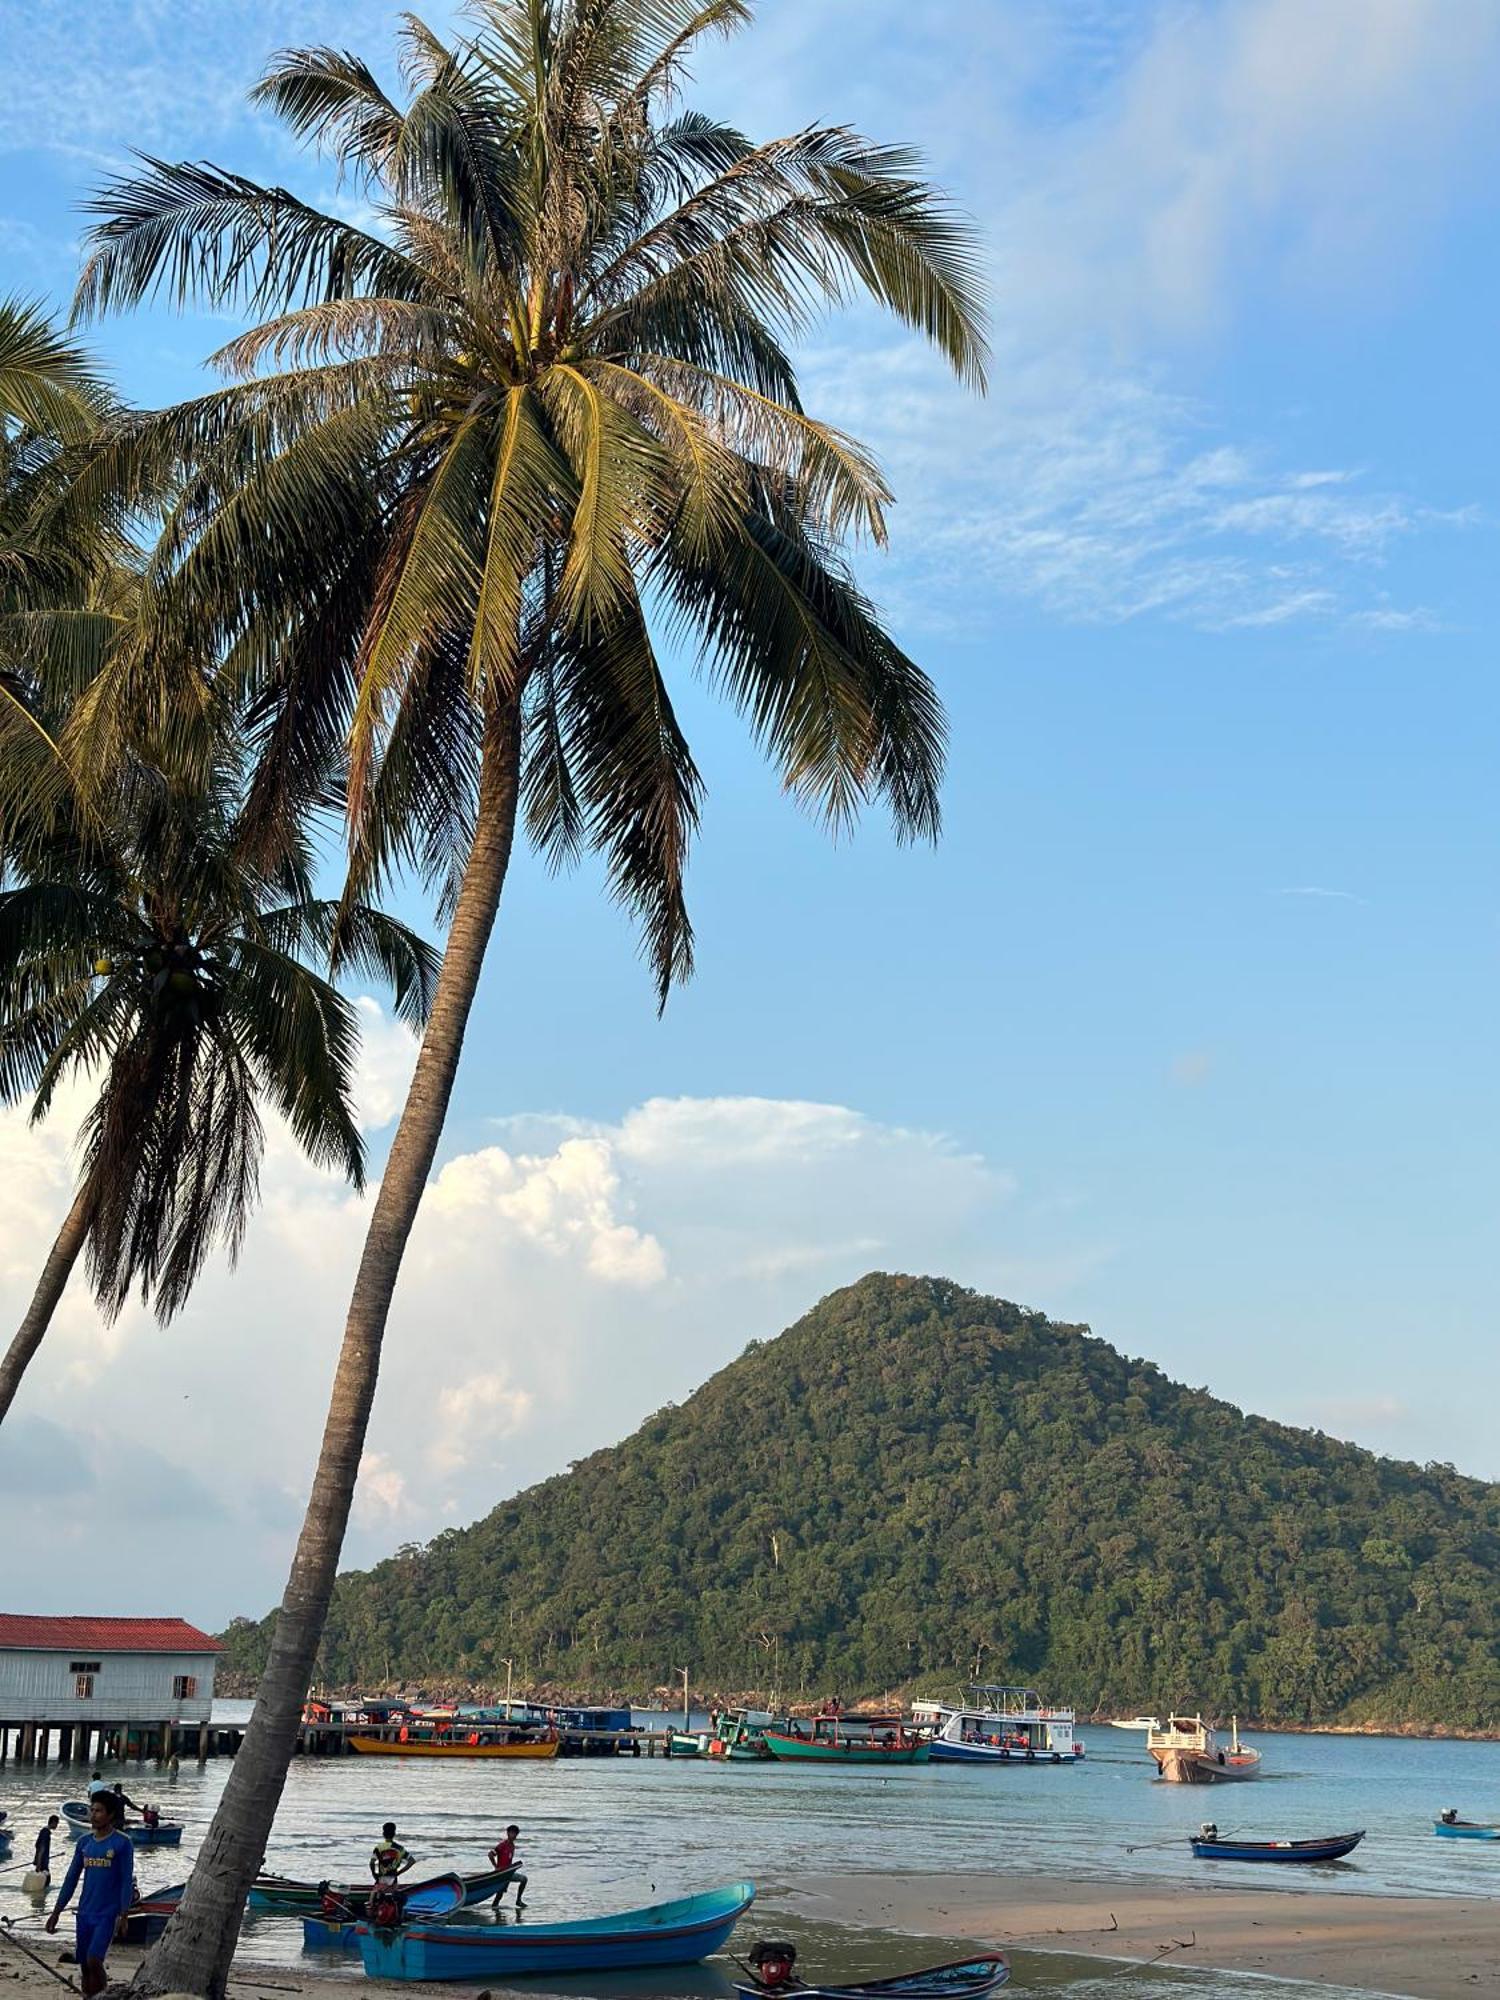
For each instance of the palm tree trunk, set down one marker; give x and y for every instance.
(195, 1951)
(50, 1288)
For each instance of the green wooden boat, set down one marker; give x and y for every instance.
(688, 1743)
(848, 1739)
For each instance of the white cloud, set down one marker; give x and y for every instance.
(380, 1494)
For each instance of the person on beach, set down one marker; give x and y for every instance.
(41, 1859)
(503, 1857)
(389, 1860)
(105, 1860)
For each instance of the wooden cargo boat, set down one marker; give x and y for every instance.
(676, 1933)
(1208, 1845)
(1187, 1752)
(835, 1738)
(473, 1744)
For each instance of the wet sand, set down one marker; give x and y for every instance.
(1428, 1947)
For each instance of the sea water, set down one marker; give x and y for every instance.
(611, 1833)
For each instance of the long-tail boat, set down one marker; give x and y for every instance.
(1187, 1752)
(772, 1969)
(676, 1933)
(335, 1928)
(139, 1832)
(1209, 1845)
(836, 1738)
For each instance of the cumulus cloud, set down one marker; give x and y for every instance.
(557, 1288)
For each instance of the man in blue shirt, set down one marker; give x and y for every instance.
(106, 1861)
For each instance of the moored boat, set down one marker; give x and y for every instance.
(1187, 1752)
(283, 1896)
(772, 1968)
(836, 1738)
(688, 1742)
(675, 1933)
(146, 1918)
(335, 1928)
(1002, 1724)
(472, 1743)
(139, 1832)
(1209, 1845)
(740, 1735)
(1453, 1828)
(1135, 1722)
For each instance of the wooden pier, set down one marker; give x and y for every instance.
(118, 1742)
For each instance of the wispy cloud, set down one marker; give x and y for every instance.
(1319, 895)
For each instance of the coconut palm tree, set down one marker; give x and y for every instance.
(143, 947)
(474, 462)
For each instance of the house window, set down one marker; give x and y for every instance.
(185, 1687)
(83, 1672)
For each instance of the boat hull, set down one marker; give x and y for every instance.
(799, 1750)
(1203, 1767)
(1465, 1830)
(279, 1896)
(678, 1933)
(989, 1753)
(966, 1979)
(1334, 1848)
(425, 1906)
(380, 1746)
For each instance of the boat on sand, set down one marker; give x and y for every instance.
(334, 1930)
(676, 1933)
(281, 1896)
(772, 1966)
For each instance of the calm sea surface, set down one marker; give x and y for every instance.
(608, 1833)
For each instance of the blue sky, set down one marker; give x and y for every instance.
(1187, 1027)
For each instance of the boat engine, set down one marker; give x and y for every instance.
(772, 1961)
(1208, 1831)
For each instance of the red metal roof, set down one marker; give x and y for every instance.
(102, 1635)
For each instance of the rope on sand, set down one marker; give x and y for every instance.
(8, 1936)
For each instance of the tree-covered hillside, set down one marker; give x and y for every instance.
(919, 1483)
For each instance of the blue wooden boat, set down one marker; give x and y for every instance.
(678, 1933)
(429, 1905)
(964, 1979)
(1209, 1846)
(147, 1916)
(283, 1896)
(165, 1832)
(1454, 1828)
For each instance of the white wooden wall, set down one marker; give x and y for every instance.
(129, 1687)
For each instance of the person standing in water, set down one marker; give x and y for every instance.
(503, 1857)
(41, 1859)
(105, 1860)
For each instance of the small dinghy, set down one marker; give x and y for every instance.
(139, 1832)
(1453, 1828)
(677, 1933)
(1209, 1845)
(334, 1930)
(773, 1969)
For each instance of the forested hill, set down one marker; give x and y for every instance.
(919, 1483)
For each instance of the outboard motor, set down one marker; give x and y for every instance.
(385, 1909)
(772, 1961)
(1208, 1831)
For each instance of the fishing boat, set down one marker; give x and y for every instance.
(473, 1743)
(1135, 1722)
(1453, 1828)
(1187, 1752)
(335, 1929)
(1001, 1724)
(740, 1735)
(146, 1918)
(139, 1832)
(836, 1738)
(772, 1966)
(281, 1896)
(1208, 1845)
(688, 1742)
(676, 1933)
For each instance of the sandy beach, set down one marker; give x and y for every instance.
(1429, 1947)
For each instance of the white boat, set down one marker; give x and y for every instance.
(1136, 1722)
(998, 1725)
